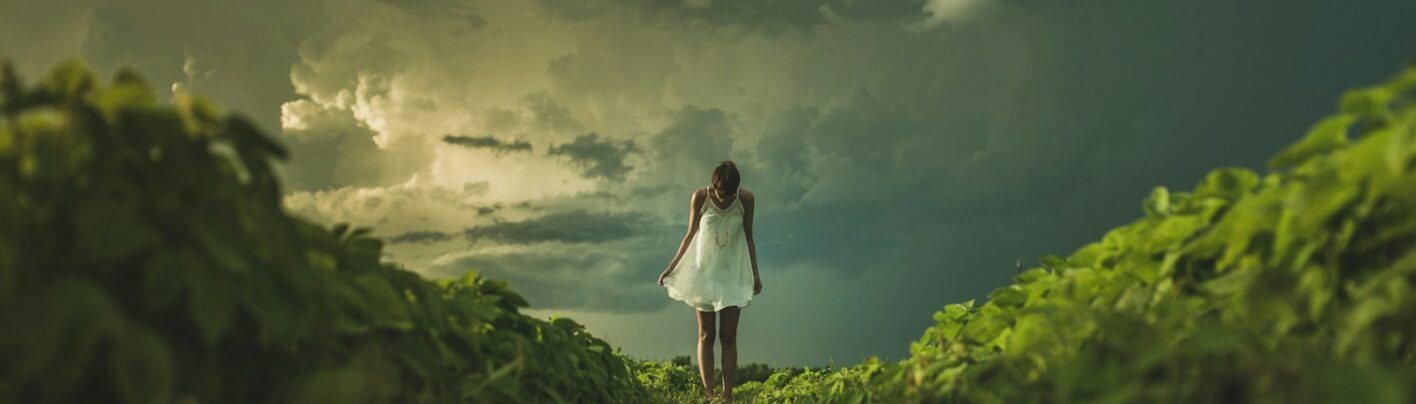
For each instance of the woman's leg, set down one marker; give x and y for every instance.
(727, 335)
(705, 349)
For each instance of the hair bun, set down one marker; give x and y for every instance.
(725, 177)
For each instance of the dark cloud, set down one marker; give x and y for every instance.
(487, 142)
(441, 8)
(597, 157)
(615, 74)
(536, 116)
(583, 279)
(544, 113)
(769, 17)
(500, 119)
(577, 226)
(572, 258)
(694, 142)
(423, 236)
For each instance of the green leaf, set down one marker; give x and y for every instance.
(1034, 333)
(211, 304)
(1227, 183)
(249, 138)
(387, 305)
(220, 237)
(128, 91)
(339, 229)
(115, 229)
(1011, 296)
(1158, 204)
(985, 327)
(1370, 102)
(164, 279)
(1053, 261)
(1327, 135)
(71, 80)
(142, 366)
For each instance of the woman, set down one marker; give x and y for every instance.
(715, 277)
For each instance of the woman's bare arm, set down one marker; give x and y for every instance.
(694, 203)
(749, 204)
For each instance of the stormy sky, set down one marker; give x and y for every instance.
(904, 153)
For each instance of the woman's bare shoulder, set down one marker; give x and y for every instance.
(747, 196)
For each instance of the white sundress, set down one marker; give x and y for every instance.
(715, 271)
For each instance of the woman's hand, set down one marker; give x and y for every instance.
(756, 285)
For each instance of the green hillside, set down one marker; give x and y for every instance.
(145, 258)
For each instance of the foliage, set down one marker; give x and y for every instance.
(677, 380)
(1294, 286)
(752, 372)
(145, 258)
(669, 382)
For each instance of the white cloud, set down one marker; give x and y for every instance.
(308, 117)
(410, 206)
(948, 11)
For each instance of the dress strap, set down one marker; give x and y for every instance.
(708, 198)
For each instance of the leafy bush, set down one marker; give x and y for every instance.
(1294, 286)
(669, 382)
(1287, 287)
(145, 258)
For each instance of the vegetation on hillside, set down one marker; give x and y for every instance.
(145, 258)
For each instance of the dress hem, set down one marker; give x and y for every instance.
(674, 293)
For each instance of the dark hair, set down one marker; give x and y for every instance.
(725, 178)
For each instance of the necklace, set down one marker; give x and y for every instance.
(720, 238)
(722, 235)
